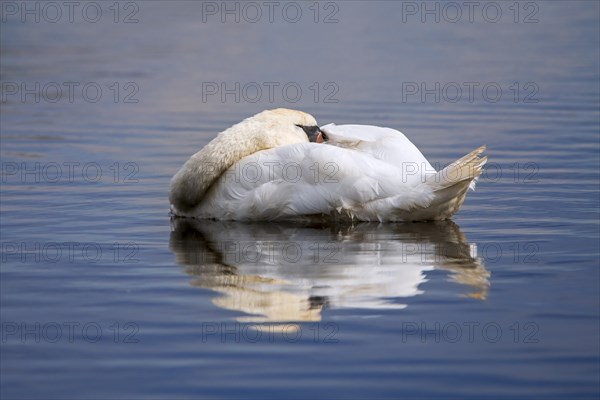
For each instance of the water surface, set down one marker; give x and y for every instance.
(103, 296)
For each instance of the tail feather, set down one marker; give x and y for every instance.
(451, 184)
(467, 168)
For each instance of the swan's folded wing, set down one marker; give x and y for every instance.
(385, 144)
(308, 179)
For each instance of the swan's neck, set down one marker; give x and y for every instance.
(190, 184)
(199, 173)
(266, 130)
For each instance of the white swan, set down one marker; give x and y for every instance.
(279, 164)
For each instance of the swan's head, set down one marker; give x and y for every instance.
(283, 126)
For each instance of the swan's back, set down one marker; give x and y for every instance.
(385, 144)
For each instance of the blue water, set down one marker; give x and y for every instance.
(103, 296)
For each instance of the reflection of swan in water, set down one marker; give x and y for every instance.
(289, 272)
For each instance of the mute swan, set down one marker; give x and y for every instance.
(280, 165)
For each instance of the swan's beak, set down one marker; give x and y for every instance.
(321, 137)
(314, 134)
